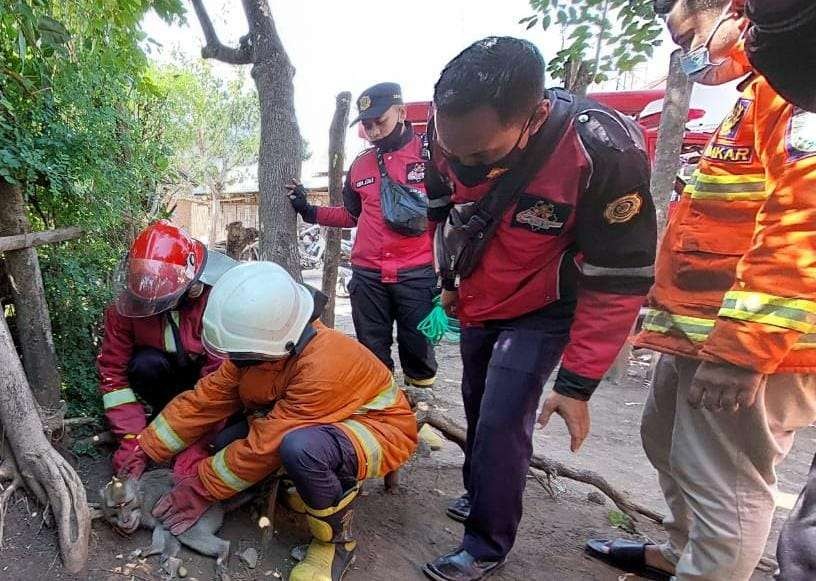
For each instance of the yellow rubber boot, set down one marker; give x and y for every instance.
(291, 498)
(331, 552)
(430, 437)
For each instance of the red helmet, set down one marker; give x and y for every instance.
(163, 263)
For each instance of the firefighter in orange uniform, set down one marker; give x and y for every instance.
(318, 403)
(733, 312)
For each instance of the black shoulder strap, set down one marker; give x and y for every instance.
(510, 185)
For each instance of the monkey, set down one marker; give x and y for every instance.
(127, 505)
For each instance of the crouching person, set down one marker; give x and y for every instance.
(318, 403)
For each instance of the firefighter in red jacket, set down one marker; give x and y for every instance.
(393, 276)
(563, 276)
(151, 347)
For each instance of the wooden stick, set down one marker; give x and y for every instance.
(456, 433)
(32, 239)
(73, 422)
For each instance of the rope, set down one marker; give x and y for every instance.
(438, 325)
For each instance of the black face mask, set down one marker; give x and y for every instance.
(473, 175)
(392, 141)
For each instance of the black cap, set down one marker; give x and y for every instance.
(376, 100)
(781, 44)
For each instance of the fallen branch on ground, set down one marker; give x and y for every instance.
(456, 433)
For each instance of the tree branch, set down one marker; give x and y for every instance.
(213, 47)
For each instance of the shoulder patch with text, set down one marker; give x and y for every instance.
(540, 215)
(731, 125)
(623, 209)
(364, 182)
(415, 172)
(800, 141)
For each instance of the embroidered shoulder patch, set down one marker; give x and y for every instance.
(623, 209)
(364, 182)
(540, 215)
(731, 125)
(801, 136)
(415, 172)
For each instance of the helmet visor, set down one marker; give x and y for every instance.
(146, 287)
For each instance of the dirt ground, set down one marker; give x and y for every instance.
(398, 533)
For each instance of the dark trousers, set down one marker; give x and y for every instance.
(156, 376)
(796, 551)
(375, 306)
(504, 370)
(319, 460)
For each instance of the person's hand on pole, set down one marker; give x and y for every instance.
(724, 387)
(298, 197)
(575, 414)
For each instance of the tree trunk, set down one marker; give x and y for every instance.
(673, 121)
(29, 460)
(337, 151)
(577, 76)
(31, 309)
(281, 144)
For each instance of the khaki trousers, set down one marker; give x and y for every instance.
(717, 469)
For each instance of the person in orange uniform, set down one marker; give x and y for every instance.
(733, 312)
(319, 404)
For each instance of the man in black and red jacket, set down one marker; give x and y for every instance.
(562, 278)
(393, 276)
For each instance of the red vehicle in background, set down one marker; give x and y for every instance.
(643, 106)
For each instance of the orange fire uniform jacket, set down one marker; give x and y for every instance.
(334, 380)
(736, 272)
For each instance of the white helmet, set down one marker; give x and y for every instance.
(256, 310)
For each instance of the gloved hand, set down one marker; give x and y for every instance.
(181, 508)
(300, 202)
(130, 461)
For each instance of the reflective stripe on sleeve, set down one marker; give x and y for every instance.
(796, 314)
(167, 435)
(225, 474)
(118, 397)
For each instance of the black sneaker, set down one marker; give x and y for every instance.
(459, 509)
(460, 566)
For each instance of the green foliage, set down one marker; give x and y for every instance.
(613, 35)
(211, 125)
(81, 132)
(621, 521)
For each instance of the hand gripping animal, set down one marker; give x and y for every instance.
(127, 505)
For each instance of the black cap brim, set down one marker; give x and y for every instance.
(373, 112)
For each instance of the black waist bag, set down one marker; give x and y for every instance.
(404, 209)
(461, 240)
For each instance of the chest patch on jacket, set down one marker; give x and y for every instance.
(415, 172)
(364, 182)
(732, 153)
(731, 125)
(801, 138)
(540, 215)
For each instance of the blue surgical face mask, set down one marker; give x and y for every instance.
(697, 63)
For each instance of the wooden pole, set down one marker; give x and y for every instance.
(331, 255)
(34, 239)
(673, 121)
